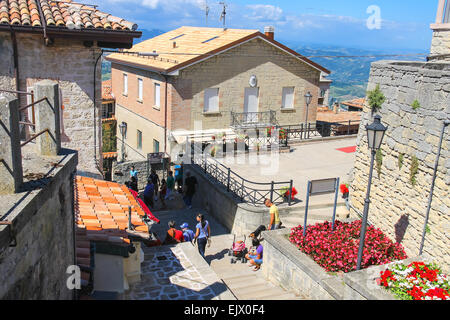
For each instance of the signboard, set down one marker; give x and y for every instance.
(323, 186)
(155, 158)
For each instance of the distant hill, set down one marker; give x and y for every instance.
(350, 75)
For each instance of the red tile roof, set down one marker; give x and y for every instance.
(326, 115)
(62, 14)
(107, 94)
(356, 103)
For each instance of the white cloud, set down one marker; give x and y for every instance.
(265, 12)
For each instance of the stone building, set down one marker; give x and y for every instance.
(400, 191)
(440, 45)
(62, 41)
(208, 81)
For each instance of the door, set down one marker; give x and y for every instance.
(251, 105)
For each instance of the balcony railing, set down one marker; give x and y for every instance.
(253, 119)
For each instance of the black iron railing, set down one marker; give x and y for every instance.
(253, 193)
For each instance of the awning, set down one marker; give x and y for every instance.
(180, 137)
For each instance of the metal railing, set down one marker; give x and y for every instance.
(253, 119)
(253, 193)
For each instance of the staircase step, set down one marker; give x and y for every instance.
(237, 285)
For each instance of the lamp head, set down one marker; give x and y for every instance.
(375, 133)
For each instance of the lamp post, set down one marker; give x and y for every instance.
(375, 135)
(123, 132)
(308, 99)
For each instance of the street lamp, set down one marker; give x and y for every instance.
(123, 132)
(308, 99)
(375, 135)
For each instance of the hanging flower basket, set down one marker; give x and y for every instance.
(344, 190)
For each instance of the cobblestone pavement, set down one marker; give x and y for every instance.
(167, 274)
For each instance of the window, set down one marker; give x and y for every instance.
(125, 84)
(139, 140)
(177, 37)
(140, 89)
(104, 111)
(322, 93)
(206, 41)
(155, 146)
(157, 102)
(288, 98)
(211, 100)
(111, 110)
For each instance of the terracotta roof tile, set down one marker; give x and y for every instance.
(62, 14)
(357, 103)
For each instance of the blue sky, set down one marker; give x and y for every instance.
(405, 24)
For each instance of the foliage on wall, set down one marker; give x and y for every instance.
(416, 105)
(109, 136)
(379, 161)
(376, 98)
(401, 158)
(413, 171)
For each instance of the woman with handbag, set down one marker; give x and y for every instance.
(202, 234)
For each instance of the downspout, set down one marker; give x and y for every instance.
(44, 22)
(165, 113)
(16, 62)
(95, 115)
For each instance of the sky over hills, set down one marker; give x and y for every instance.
(403, 23)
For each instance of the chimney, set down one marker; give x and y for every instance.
(270, 32)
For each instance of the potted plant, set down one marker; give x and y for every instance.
(345, 191)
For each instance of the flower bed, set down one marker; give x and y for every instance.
(337, 251)
(416, 281)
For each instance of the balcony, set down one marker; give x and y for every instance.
(249, 120)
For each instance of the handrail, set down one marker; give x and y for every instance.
(236, 183)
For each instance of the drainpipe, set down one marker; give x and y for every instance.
(165, 113)
(95, 115)
(44, 22)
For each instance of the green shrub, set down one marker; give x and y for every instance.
(376, 98)
(416, 105)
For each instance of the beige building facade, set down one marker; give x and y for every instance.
(249, 77)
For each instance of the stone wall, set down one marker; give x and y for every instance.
(121, 172)
(397, 207)
(42, 225)
(71, 64)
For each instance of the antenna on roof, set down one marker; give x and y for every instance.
(223, 15)
(206, 11)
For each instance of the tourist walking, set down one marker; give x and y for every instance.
(148, 194)
(162, 193)
(189, 189)
(134, 184)
(179, 176)
(155, 179)
(170, 186)
(275, 222)
(202, 234)
(133, 173)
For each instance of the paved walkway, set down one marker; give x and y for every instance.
(312, 161)
(180, 273)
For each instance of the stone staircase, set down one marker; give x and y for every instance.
(241, 280)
